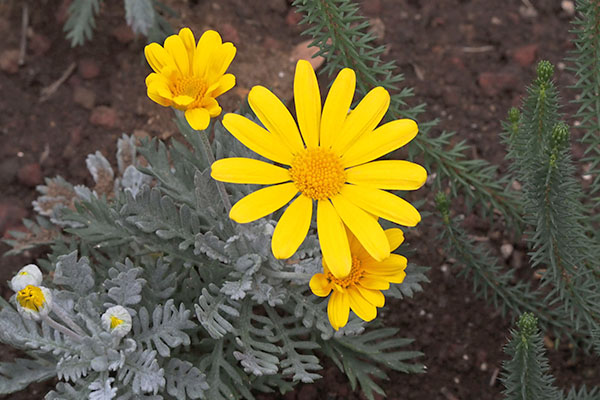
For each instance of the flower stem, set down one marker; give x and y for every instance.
(60, 313)
(61, 328)
(208, 154)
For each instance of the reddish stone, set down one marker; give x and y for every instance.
(371, 7)
(84, 97)
(493, 83)
(40, 44)
(88, 68)
(272, 44)
(10, 216)
(123, 34)
(9, 61)
(438, 21)
(457, 62)
(75, 136)
(293, 17)
(104, 116)
(229, 33)
(30, 175)
(525, 55)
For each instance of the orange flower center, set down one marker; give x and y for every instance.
(318, 173)
(31, 297)
(356, 272)
(190, 87)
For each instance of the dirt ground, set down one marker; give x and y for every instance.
(468, 60)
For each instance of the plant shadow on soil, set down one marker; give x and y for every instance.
(468, 60)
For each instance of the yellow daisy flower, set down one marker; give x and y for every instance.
(361, 289)
(328, 160)
(190, 77)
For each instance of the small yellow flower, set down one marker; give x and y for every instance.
(361, 289)
(327, 158)
(190, 77)
(117, 321)
(34, 302)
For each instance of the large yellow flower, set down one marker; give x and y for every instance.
(327, 160)
(361, 289)
(190, 77)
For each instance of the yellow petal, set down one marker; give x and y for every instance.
(395, 236)
(338, 310)
(366, 229)
(182, 101)
(375, 283)
(333, 240)
(308, 102)
(382, 204)
(207, 45)
(220, 60)
(292, 228)
(175, 47)
(157, 98)
(225, 83)
(158, 57)
(248, 170)
(275, 117)
(212, 106)
(257, 138)
(392, 270)
(361, 307)
(363, 119)
(156, 79)
(375, 297)
(189, 42)
(388, 174)
(320, 285)
(336, 107)
(394, 264)
(198, 118)
(262, 202)
(381, 141)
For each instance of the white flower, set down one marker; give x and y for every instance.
(28, 275)
(117, 321)
(34, 302)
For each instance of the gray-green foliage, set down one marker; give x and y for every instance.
(143, 17)
(214, 314)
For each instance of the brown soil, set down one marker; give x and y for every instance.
(468, 60)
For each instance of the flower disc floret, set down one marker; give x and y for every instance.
(34, 302)
(352, 279)
(318, 173)
(28, 275)
(329, 157)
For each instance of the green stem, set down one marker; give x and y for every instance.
(210, 157)
(63, 329)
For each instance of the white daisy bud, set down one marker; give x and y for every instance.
(28, 275)
(34, 302)
(117, 321)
